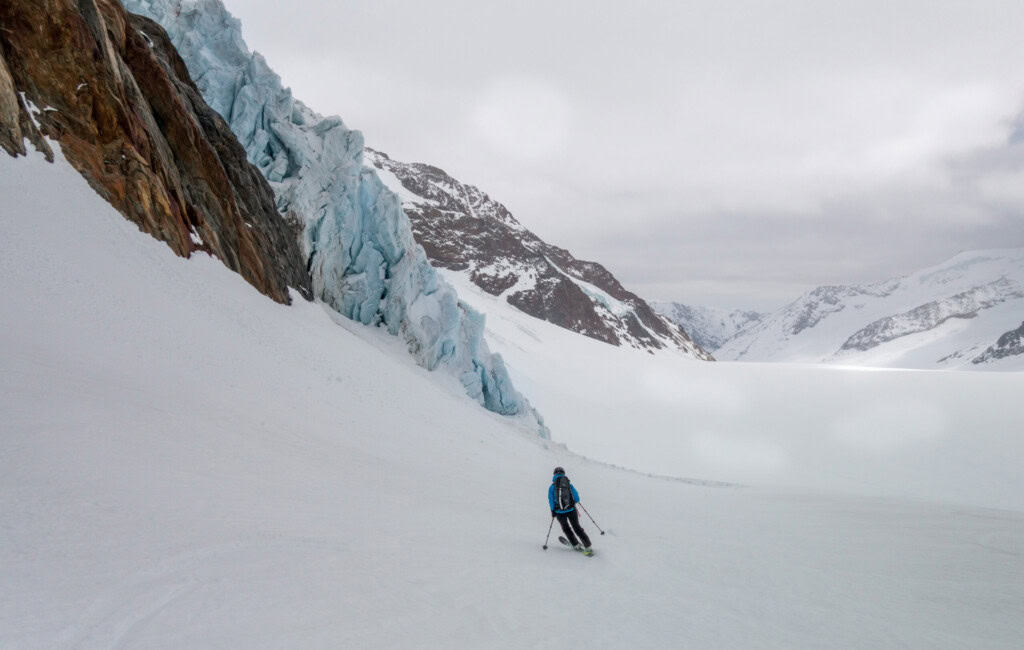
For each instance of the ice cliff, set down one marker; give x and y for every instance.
(358, 243)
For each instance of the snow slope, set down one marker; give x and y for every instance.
(944, 316)
(184, 463)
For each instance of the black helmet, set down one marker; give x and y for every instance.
(559, 470)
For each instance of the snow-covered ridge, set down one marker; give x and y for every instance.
(945, 316)
(965, 304)
(709, 327)
(824, 301)
(359, 245)
(463, 229)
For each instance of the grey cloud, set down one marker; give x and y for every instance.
(725, 152)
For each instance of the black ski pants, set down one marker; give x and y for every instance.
(570, 521)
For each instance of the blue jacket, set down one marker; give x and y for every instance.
(551, 496)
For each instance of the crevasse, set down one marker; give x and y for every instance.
(361, 254)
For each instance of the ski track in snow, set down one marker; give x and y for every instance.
(184, 463)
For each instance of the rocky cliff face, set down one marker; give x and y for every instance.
(110, 89)
(463, 229)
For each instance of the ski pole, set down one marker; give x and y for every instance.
(591, 518)
(545, 547)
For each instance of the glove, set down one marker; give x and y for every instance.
(552, 514)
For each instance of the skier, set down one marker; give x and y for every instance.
(563, 497)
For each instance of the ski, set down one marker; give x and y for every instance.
(589, 552)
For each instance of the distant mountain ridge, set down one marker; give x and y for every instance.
(709, 327)
(963, 312)
(463, 229)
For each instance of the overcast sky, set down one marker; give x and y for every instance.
(725, 153)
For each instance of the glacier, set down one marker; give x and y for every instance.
(360, 251)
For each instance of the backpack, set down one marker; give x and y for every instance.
(563, 494)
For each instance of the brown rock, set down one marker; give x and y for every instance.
(11, 138)
(118, 98)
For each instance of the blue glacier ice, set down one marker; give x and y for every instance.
(358, 242)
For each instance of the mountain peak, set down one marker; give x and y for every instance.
(463, 229)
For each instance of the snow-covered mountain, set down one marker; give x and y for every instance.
(465, 230)
(358, 244)
(959, 314)
(707, 326)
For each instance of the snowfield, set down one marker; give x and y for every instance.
(938, 435)
(184, 463)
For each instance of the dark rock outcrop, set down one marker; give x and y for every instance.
(1010, 344)
(111, 89)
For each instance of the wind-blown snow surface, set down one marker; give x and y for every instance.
(361, 252)
(944, 316)
(184, 463)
